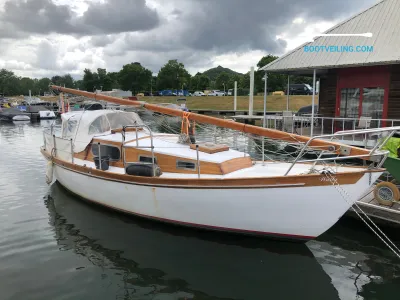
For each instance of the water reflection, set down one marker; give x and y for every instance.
(360, 266)
(149, 259)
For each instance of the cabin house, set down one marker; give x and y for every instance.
(359, 75)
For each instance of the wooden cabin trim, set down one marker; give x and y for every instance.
(236, 164)
(306, 180)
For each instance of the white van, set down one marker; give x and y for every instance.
(198, 94)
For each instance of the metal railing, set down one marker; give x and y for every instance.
(136, 127)
(372, 153)
(329, 125)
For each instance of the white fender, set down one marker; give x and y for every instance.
(49, 172)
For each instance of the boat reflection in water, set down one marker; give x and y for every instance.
(357, 261)
(139, 259)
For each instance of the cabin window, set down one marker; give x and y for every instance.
(99, 125)
(185, 165)
(112, 151)
(68, 129)
(147, 159)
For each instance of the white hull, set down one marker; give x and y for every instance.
(288, 212)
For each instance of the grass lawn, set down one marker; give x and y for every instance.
(274, 103)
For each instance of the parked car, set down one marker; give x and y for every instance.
(230, 92)
(216, 93)
(299, 89)
(307, 110)
(198, 94)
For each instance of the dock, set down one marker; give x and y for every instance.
(377, 212)
(239, 114)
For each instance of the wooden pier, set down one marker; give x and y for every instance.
(384, 214)
(239, 114)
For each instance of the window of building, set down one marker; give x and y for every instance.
(349, 102)
(372, 102)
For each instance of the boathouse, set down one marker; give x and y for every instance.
(359, 75)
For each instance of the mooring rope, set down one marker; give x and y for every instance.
(334, 182)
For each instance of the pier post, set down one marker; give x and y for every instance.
(251, 92)
(288, 92)
(313, 103)
(235, 97)
(265, 112)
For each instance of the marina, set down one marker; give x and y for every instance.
(213, 175)
(69, 242)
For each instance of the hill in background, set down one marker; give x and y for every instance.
(214, 72)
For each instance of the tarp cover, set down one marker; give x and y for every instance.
(392, 145)
(82, 126)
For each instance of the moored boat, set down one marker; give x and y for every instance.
(113, 159)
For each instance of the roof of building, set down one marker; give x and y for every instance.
(381, 19)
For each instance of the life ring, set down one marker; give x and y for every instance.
(386, 193)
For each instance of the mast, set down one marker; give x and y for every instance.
(251, 129)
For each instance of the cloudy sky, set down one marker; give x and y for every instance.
(47, 37)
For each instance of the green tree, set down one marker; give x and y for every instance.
(276, 82)
(9, 83)
(43, 85)
(90, 80)
(173, 75)
(222, 79)
(79, 84)
(244, 82)
(66, 80)
(232, 79)
(27, 84)
(114, 77)
(105, 81)
(134, 77)
(199, 82)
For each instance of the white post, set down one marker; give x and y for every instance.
(288, 92)
(265, 112)
(265, 97)
(313, 103)
(251, 91)
(30, 94)
(235, 97)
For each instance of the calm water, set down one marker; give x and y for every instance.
(53, 246)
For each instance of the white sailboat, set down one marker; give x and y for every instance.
(113, 159)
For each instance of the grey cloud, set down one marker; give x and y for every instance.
(229, 25)
(47, 56)
(193, 31)
(45, 17)
(102, 40)
(120, 16)
(215, 27)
